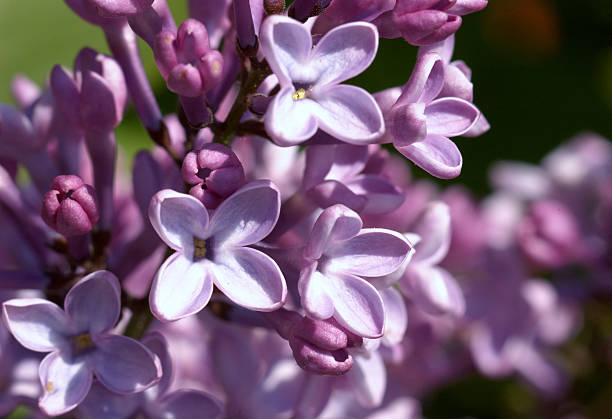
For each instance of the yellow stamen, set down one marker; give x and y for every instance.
(83, 341)
(199, 251)
(299, 94)
(49, 387)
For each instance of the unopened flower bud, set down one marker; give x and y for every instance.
(70, 207)
(215, 171)
(303, 9)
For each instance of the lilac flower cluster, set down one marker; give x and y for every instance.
(269, 257)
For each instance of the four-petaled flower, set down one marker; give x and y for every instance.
(216, 252)
(81, 344)
(310, 96)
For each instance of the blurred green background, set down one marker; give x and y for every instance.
(542, 72)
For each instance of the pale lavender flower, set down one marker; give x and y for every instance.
(419, 124)
(337, 251)
(334, 174)
(156, 402)
(80, 343)
(310, 96)
(431, 287)
(216, 252)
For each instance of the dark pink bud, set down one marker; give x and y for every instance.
(320, 361)
(118, 8)
(70, 206)
(215, 171)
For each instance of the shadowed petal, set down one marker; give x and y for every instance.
(435, 154)
(191, 404)
(290, 122)
(125, 365)
(344, 52)
(349, 113)
(336, 223)
(434, 229)
(358, 306)
(247, 216)
(434, 290)
(450, 116)
(250, 278)
(396, 317)
(102, 403)
(37, 324)
(65, 385)
(286, 43)
(372, 252)
(177, 218)
(332, 192)
(93, 304)
(382, 195)
(180, 288)
(368, 378)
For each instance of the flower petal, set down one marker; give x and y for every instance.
(288, 121)
(344, 52)
(435, 154)
(319, 160)
(313, 295)
(180, 288)
(382, 195)
(396, 316)
(450, 116)
(372, 252)
(286, 43)
(102, 403)
(177, 218)
(425, 82)
(247, 216)
(94, 303)
(332, 192)
(250, 278)
(434, 230)
(349, 113)
(37, 324)
(64, 384)
(434, 290)
(190, 404)
(358, 306)
(336, 223)
(125, 365)
(156, 343)
(368, 378)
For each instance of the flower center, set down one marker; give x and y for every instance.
(82, 342)
(299, 94)
(201, 249)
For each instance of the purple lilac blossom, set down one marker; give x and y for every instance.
(339, 250)
(80, 343)
(215, 251)
(310, 96)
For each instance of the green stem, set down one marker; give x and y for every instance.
(229, 129)
(140, 321)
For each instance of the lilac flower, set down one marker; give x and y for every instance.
(310, 96)
(155, 402)
(419, 124)
(337, 251)
(431, 287)
(80, 343)
(334, 175)
(216, 252)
